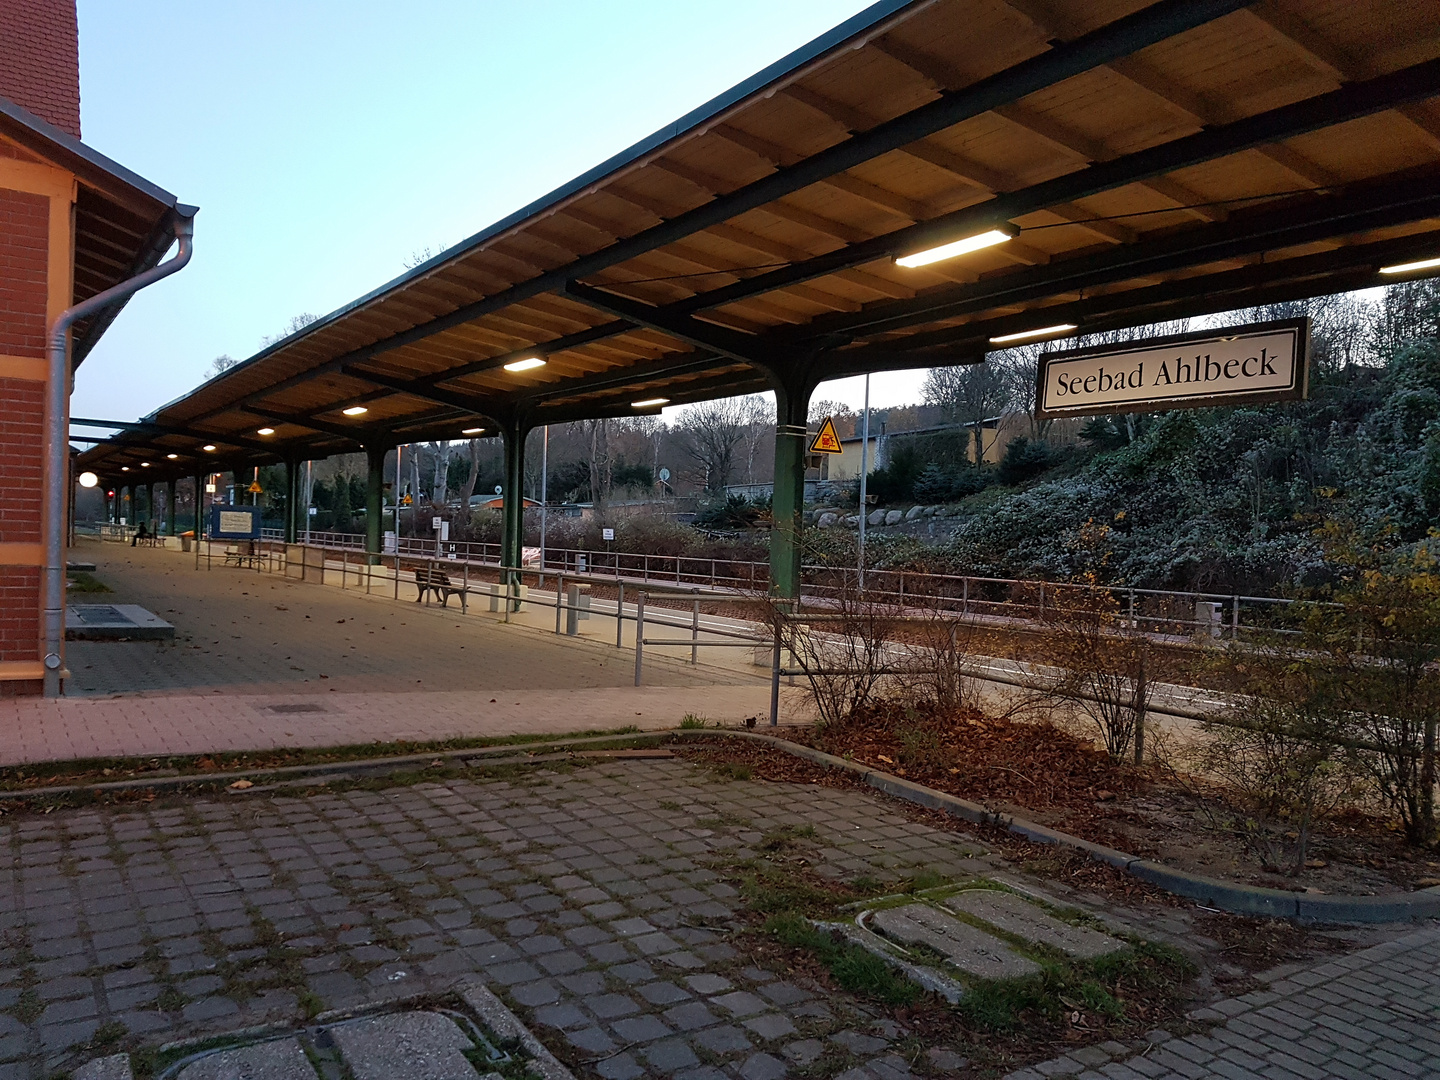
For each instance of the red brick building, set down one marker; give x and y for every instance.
(72, 224)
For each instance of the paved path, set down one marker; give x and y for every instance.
(259, 662)
(159, 725)
(586, 898)
(1373, 1015)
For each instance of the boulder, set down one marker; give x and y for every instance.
(852, 521)
(894, 517)
(914, 512)
(931, 511)
(827, 519)
(877, 517)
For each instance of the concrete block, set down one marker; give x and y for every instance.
(1010, 913)
(972, 951)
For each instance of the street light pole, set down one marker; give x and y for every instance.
(864, 468)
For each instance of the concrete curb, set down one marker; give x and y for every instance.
(1212, 892)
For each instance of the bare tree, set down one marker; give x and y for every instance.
(969, 394)
(467, 489)
(601, 467)
(423, 255)
(710, 432)
(439, 487)
(220, 365)
(759, 415)
(294, 326)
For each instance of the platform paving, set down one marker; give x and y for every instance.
(588, 899)
(585, 897)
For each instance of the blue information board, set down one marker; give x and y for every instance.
(235, 522)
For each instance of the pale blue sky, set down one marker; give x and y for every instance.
(327, 141)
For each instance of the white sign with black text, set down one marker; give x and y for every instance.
(1232, 366)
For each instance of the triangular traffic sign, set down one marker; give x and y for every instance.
(826, 441)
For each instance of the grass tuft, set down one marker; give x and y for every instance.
(852, 967)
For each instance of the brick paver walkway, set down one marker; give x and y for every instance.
(586, 897)
(1373, 1015)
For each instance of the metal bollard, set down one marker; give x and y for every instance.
(639, 637)
(559, 599)
(695, 632)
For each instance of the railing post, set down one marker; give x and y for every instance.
(559, 592)
(639, 637)
(965, 596)
(695, 632)
(1040, 617)
(775, 675)
(1133, 624)
(1234, 618)
(620, 616)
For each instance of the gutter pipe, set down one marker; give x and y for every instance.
(57, 456)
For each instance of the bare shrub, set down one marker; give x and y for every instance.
(1278, 767)
(1102, 665)
(845, 648)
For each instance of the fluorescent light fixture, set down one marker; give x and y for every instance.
(650, 403)
(124, 468)
(172, 457)
(265, 431)
(208, 446)
(1405, 268)
(355, 410)
(525, 365)
(472, 431)
(88, 479)
(988, 238)
(144, 464)
(1026, 335)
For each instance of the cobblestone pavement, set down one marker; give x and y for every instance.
(1374, 1014)
(584, 896)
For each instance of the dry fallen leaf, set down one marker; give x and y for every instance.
(241, 785)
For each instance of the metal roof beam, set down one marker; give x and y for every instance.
(743, 348)
(418, 388)
(1337, 270)
(1324, 110)
(1352, 210)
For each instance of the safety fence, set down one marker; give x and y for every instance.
(999, 601)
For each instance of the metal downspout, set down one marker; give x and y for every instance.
(57, 442)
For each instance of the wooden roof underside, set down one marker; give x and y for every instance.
(1160, 160)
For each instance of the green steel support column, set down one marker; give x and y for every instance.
(170, 508)
(513, 530)
(292, 500)
(374, 501)
(788, 503)
(149, 506)
(199, 504)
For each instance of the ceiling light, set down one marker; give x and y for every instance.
(988, 238)
(650, 403)
(88, 479)
(355, 410)
(1405, 268)
(472, 431)
(144, 464)
(1026, 335)
(526, 364)
(124, 468)
(172, 457)
(208, 446)
(265, 431)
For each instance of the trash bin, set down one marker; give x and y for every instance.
(185, 540)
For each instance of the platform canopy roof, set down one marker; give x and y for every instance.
(1153, 161)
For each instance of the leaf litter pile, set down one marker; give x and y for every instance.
(990, 760)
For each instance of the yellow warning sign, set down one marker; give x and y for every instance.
(255, 488)
(826, 441)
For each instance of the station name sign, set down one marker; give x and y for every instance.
(1238, 365)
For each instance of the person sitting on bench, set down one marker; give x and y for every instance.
(141, 533)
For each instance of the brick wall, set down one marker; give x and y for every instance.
(24, 240)
(40, 59)
(22, 433)
(20, 628)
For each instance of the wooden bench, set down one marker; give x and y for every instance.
(429, 579)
